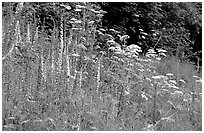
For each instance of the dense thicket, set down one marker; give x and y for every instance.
(177, 27)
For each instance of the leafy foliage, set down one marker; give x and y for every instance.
(172, 26)
(65, 72)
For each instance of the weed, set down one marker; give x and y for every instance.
(62, 81)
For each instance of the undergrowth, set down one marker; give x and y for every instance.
(85, 78)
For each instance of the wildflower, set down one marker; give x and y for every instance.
(110, 41)
(143, 37)
(112, 30)
(148, 79)
(112, 48)
(160, 77)
(123, 38)
(158, 58)
(91, 22)
(181, 80)
(151, 51)
(154, 34)
(67, 7)
(151, 55)
(76, 28)
(163, 54)
(173, 86)
(79, 6)
(161, 51)
(99, 15)
(77, 55)
(133, 47)
(94, 11)
(77, 10)
(199, 81)
(169, 74)
(144, 96)
(109, 36)
(166, 90)
(78, 22)
(100, 33)
(103, 12)
(195, 76)
(101, 29)
(144, 33)
(177, 93)
(73, 19)
(173, 81)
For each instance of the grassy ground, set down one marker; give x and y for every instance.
(64, 83)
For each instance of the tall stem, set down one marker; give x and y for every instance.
(61, 42)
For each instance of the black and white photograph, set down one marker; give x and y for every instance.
(101, 66)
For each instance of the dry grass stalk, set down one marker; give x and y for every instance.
(99, 73)
(28, 33)
(36, 35)
(18, 32)
(61, 43)
(67, 54)
(42, 65)
(53, 53)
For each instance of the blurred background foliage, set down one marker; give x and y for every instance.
(174, 26)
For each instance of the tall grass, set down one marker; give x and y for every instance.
(63, 82)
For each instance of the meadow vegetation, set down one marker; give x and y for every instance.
(79, 76)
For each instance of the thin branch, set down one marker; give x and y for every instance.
(157, 41)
